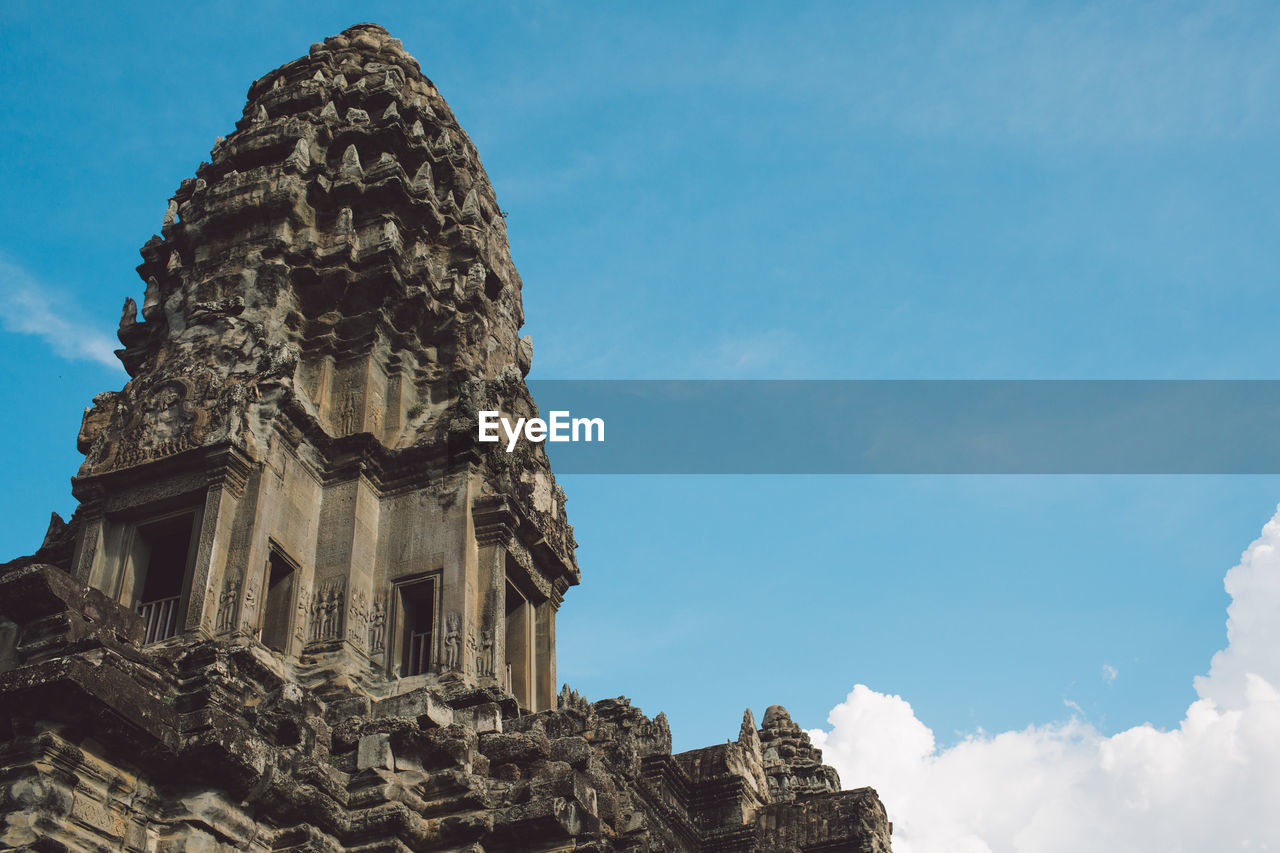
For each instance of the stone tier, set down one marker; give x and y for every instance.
(215, 746)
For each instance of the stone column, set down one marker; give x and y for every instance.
(545, 654)
(457, 578)
(490, 631)
(364, 552)
(494, 529)
(333, 561)
(227, 472)
(86, 562)
(241, 584)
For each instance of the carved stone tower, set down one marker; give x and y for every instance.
(301, 607)
(294, 458)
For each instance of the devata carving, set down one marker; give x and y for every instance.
(472, 657)
(358, 617)
(484, 658)
(347, 416)
(327, 610)
(249, 605)
(302, 614)
(452, 642)
(378, 626)
(227, 605)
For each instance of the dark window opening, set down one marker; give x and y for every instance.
(164, 551)
(278, 608)
(417, 606)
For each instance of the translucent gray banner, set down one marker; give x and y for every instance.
(918, 427)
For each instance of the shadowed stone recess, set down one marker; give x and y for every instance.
(300, 606)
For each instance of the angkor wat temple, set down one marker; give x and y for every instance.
(300, 606)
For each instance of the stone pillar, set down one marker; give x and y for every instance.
(545, 655)
(494, 529)
(345, 552)
(364, 551)
(395, 403)
(241, 584)
(458, 583)
(253, 590)
(86, 562)
(333, 561)
(227, 473)
(489, 628)
(520, 650)
(375, 398)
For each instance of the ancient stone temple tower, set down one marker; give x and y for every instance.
(300, 606)
(330, 301)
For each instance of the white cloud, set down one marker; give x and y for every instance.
(1209, 785)
(28, 307)
(1109, 673)
(1253, 629)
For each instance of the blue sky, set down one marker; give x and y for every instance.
(841, 190)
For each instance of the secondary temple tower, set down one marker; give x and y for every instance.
(300, 607)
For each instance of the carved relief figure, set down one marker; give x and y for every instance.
(227, 605)
(468, 661)
(347, 410)
(452, 642)
(249, 606)
(484, 662)
(357, 616)
(378, 626)
(336, 611)
(207, 614)
(161, 425)
(169, 410)
(302, 613)
(326, 617)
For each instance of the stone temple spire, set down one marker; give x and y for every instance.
(329, 304)
(343, 253)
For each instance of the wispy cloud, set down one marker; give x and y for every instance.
(1059, 74)
(767, 354)
(1083, 74)
(31, 307)
(1209, 784)
(1109, 673)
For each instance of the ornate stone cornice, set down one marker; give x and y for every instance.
(499, 520)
